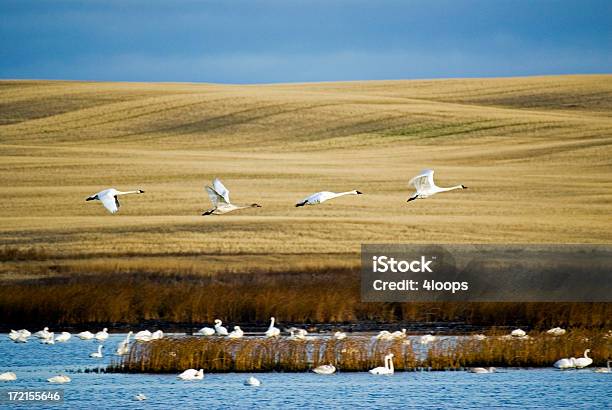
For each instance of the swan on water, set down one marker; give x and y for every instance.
(87, 335)
(8, 377)
(109, 199)
(220, 330)
(43, 334)
(425, 339)
(19, 336)
(426, 187)
(325, 369)
(323, 196)
(158, 334)
(98, 354)
(63, 337)
(252, 381)
(206, 331)
(606, 369)
(339, 335)
(584, 361)
(237, 333)
(102, 336)
(482, 370)
(556, 331)
(59, 379)
(49, 340)
(565, 363)
(140, 397)
(272, 331)
(124, 346)
(191, 374)
(219, 196)
(388, 367)
(143, 336)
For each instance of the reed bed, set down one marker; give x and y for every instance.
(359, 353)
(312, 296)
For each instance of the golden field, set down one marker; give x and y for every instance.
(536, 154)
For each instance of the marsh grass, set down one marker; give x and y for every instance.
(314, 296)
(358, 353)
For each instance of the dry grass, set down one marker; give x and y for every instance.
(356, 353)
(535, 152)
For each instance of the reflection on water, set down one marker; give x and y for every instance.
(34, 363)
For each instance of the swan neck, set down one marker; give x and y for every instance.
(126, 192)
(450, 188)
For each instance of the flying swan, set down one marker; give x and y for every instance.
(219, 196)
(109, 199)
(323, 196)
(426, 187)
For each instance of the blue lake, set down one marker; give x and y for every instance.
(34, 362)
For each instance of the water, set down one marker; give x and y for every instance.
(34, 363)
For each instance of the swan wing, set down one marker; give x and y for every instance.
(424, 181)
(110, 202)
(215, 198)
(221, 189)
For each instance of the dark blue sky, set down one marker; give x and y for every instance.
(292, 41)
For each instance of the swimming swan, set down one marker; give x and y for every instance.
(606, 369)
(63, 337)
(272, 331)
(109, 199)
(8, 377)
(59, 379)
(43, 334)
(98, 354)
(387, 369)
(219, 196)
(325, 369)
(252, 381)
(102, 336)
(206, 331)
(323, 196)
(87, 335)
(143, 336)
(237, 333)
(482, 370)
(221, 330)
(191, 374)
(426, 187)
(584, 361)
(565, 363)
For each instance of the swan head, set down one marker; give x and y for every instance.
(463, 186)
(218, 322)
(587, 351)
(46, 329)
(358, 192)
(255, 206)
(236, 327)
(105, 329)
(272, 318)
(140, 191)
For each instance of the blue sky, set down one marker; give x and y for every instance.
(294, 41)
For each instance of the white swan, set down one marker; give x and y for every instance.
(8, 377)
(606, 369)
(43, 334)
(63, 337)
(339, 335)
(565, 363)
(49, 340)
(191, 374)
(21, 338)
(219, 196)
(59, 379)
(220, 330)
(426, 339)
(383, 335)
(143, 336)
(98, 354)
(556, 331)
(584, 361)
(109, 199)
(252, 381)
(297, 334)
(140, 397)
(237, 333)
(479, 337)
(482, 370)
(206, 331)
(102, 336)
(158, 334)
(399, 334)
(124, 346)
(272, 331)
(87, 335)
(426, 187)
(388, 367)
(518, 333)
(323, 196)
(325, 369)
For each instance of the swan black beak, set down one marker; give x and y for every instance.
(359, 193)
(91, 198)
(140, 191)
(463, 186)
(411, 199)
